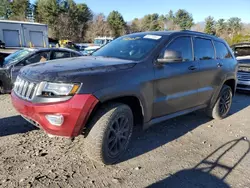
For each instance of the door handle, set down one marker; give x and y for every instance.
(192, 67)
(219, 65)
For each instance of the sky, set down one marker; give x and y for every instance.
(200, 9)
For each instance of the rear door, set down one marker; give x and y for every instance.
(209, 78)
(176, 83)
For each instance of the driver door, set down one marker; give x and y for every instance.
(176, 83)
(35, 58)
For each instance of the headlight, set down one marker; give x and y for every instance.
(58, 89)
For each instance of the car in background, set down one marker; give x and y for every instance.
(98, 43)
(101, 41)
(2, 44)
(242, 53)
(89, 50)
(80, 46)
(11, 64)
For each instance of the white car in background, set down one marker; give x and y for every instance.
(98, 43)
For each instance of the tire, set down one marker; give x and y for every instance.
(223, 104)
(112, 123)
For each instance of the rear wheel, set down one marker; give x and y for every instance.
(223, 104)
(111, 132)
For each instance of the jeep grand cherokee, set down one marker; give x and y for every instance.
(143, 77)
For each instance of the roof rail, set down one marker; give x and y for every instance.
(189, 31)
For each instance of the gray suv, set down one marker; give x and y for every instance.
(142, 78)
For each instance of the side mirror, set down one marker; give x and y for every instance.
(171, 56)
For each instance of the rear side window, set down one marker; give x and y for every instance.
(203, 49)
(182, 45)
(222, 51)
(60, 54)
(74, 54)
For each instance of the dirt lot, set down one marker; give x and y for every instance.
(189, 151)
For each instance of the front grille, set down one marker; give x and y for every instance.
(244, 76)
(24, 88)
(244, 69)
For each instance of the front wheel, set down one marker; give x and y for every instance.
(110, 134)
(223, 104)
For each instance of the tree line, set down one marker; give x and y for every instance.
(77, 22)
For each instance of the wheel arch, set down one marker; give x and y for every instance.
(132, 101)
(232, 84)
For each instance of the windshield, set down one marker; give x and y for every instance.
(17, 56)
(99, 41)
(242, 51)
(134, 47)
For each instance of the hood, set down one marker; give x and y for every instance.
(70, 69)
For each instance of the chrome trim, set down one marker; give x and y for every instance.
(31, 91)
(25, 89)
(31, 121)
(243, 76)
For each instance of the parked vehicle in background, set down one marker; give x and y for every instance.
(23, 34)
(98, 43)
(101, 41)
(142, 78)
(17, 60)
(2, 44)
(80, 47)
(89, 50)
(242, 53)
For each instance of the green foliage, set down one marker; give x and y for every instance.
(170, 15)
(65, 18)
(183, 19)
(16, 9)
(234, 25)
(20, 10)
(116, 23)
(47, 11)
(210, 25)
(5, 10)
(238, 38)
(220, 27)
(136, 26)
(150, 22)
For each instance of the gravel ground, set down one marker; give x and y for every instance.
(189, 151)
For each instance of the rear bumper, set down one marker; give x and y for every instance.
(75, 112)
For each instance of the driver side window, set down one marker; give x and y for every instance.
(38, 57)
(182, 45)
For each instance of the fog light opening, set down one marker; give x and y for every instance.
(55, 119)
